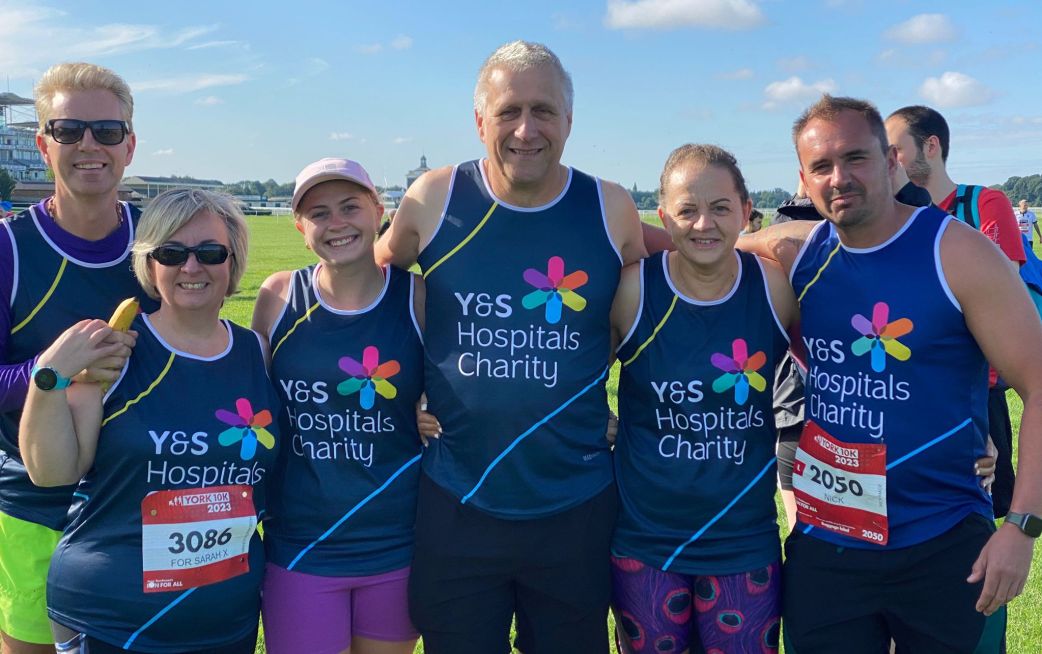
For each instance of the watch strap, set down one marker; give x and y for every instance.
(1028, 523)
(60, 381)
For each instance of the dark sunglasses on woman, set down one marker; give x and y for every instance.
(208, 254)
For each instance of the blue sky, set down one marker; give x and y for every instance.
(237, 90)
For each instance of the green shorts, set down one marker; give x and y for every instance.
(25, 554)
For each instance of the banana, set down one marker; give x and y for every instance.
(124, 315)
(120, 321)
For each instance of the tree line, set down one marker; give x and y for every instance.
(1023, 188)
(1016, 188)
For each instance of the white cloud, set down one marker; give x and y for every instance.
(402, 139)
(25, 26)
(315, 66)
(214, 44)
(188, 83)
(670, 14)
(163, 153)
(400, 42)
(954, 89)
(340, 136)
(795, 89)
(741, 73)
(209, 101)
(924, 28)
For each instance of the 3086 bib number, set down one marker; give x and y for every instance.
(196, 537)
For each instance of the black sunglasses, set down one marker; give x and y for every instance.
(208, 254)
(69, 130)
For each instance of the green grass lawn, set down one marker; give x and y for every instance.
(275, 245)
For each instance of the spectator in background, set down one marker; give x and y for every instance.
(755, 222)
(1027, 222)
(922, 139)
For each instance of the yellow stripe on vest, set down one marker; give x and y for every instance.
(142, 394)
(818, 274)
(46, 296)
(459, 247)
(293, 328)
(654, 333)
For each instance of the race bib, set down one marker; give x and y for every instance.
(840, 486)
(196, 537)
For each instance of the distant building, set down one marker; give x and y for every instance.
(391, 199)
(18, 153)
(150, 187)
(32, 192)
(415, 173)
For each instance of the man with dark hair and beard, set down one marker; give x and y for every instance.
(922, 139)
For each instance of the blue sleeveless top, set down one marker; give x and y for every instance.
(345, 494)
(53, 290)
(694, 458)
(922, 393)
(172, 422)
(517, 344)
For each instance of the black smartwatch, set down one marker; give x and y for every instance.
(1028, 523)
(49, 379)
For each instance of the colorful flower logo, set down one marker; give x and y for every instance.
(880, 337)
(369, 377)
(739, 371)
(247, 427)
(555, 289)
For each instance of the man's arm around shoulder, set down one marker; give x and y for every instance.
(416, 219)
(623, 222)
(781, 242)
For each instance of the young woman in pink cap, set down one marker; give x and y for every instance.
(347, 358)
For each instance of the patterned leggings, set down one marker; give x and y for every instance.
(661, 612)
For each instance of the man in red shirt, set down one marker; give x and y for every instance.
(922, 139)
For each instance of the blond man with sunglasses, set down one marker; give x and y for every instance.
(61, 261)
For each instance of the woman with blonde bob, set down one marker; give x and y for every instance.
(171, 461)
(348, 358)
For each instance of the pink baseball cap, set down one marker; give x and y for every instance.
(328, 169)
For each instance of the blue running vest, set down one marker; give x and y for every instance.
(53, 291)
(517, 345)
(922, 394)
(172, 422)
(345, 494)
(694, 458)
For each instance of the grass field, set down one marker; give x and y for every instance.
(275, 245)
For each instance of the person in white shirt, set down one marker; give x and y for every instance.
(1027, 221)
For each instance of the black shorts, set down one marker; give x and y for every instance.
(788, 439)
(472, 572)
(855, 601)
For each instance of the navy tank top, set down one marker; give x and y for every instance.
(694, 457)
(892, 364)
(345, 498)
(162, 553)
(517, 344)
(54, 290)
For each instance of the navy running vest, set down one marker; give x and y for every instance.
(53, 291)
(345, 496)
(179, 434)
(694, 458)
(517, 344)
(892, 362)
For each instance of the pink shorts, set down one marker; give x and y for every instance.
(320, 615)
